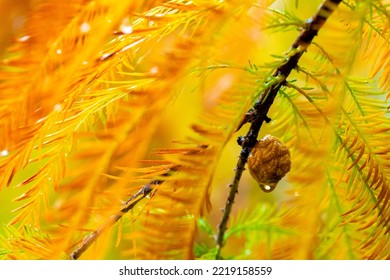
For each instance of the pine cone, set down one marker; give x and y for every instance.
(269, 162)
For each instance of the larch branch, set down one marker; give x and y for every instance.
(128, 205)
(258, 113)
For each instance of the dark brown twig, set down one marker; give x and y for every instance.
(258, 113)
(128, 205)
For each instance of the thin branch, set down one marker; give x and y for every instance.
(128, 205)
(258, 113)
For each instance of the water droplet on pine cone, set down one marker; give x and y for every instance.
(269, 162)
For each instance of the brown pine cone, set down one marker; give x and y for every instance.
(269, 162)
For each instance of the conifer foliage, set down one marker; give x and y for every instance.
(116, 118)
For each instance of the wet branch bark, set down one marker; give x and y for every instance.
(257, 115)
(126, 207)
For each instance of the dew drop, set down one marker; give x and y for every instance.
(154, 70)
(57, 204)
(267, 187)
(85, 62)
(106, 55)
(4, 153)
(59, 51)
(57, 107)
(85, 27)
(296, 193)
(40, 120)
(24, 38)
(126, 27)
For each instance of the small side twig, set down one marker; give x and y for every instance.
(128, 205)
(258, 113)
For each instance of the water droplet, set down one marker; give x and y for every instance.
(24, 38)
(85, 62)
(126, 27)
(57, 204)
(4, 153)
(40, 120)
(267, 187)
(59, 51)
(296, 193)
(106, 55)
(57, 107)
(85, 27)
(154, 70)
